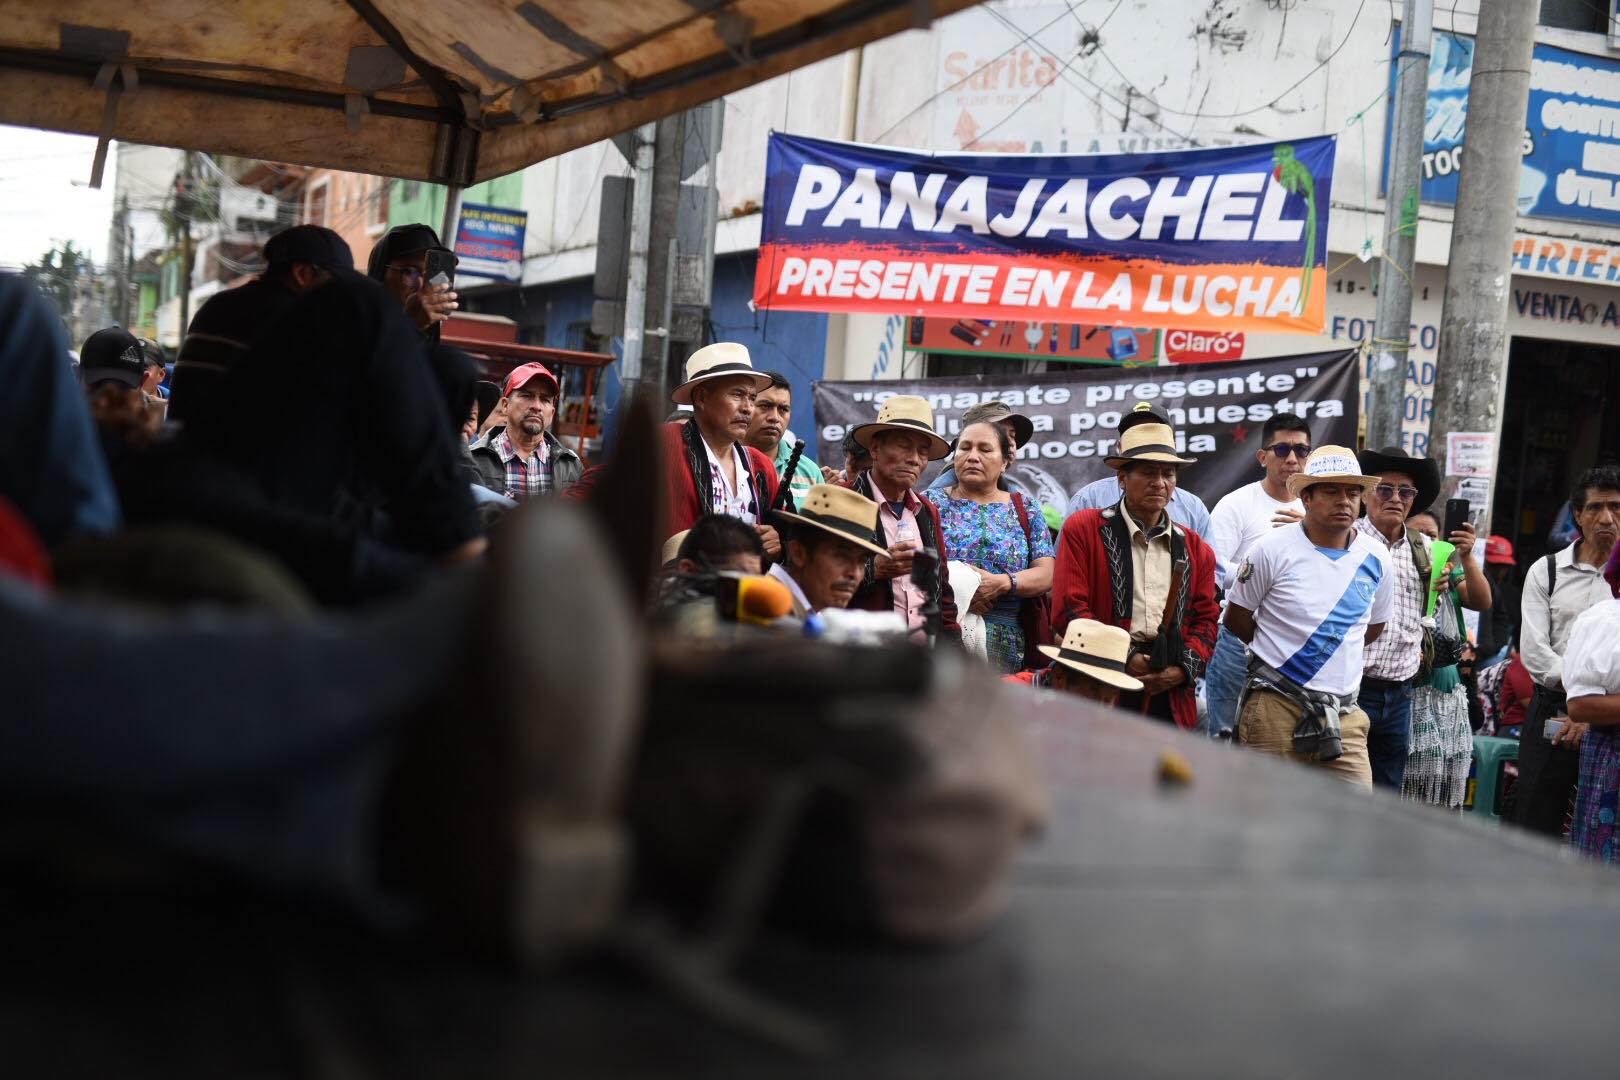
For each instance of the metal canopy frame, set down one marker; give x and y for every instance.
(447, 124)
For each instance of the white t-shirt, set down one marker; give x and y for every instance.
(1592, 657)
(739, 502)
(1312, 606)
(1241, 518)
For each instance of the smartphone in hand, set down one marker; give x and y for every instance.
(1552, 729)
(1457, 511)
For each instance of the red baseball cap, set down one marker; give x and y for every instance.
(521, 376)
(1499, 549)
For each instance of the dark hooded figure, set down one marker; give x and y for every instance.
(371, 440)
(401, 262)
(297, 260)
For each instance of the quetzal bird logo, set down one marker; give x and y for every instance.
(1295, 178)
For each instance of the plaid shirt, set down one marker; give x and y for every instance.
(524, 478)
(1399, 649)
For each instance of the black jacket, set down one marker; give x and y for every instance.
(368, 417)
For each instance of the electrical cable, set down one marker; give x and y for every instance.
(1200, 115)
(936, 95)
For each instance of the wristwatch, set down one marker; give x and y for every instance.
(1014, 579)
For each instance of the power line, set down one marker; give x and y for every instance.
(1066, 69)
(1201, 115)
(936, 95)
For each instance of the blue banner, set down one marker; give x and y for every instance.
(489, 241)
(1232, 238)
(1571, 139)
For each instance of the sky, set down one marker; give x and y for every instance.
(44, 195)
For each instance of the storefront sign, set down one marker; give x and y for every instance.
(1543, 256)
(1470, 453)
(1218, 411)
(489, 241)
(1017, 340)
(1572, 131)
(1195, 347)
(1222, 239)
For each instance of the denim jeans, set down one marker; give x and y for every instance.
(1389, 708)
(1223, 682)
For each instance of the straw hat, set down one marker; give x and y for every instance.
(716, 361)
(845, 513)
(1330, 465)
(904, 413)
(1147, 442)
(1095, 649)
(672, 547)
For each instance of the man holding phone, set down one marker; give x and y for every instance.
(1406, 485)
(417, 270)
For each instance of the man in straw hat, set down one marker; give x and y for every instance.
(1091, 663)
(706, 466)
(902, 442)
(825, 547)
(1185, 507)
(1131, 566)
(1306, 599)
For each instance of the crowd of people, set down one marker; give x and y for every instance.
(1316, 613)
(324, 487)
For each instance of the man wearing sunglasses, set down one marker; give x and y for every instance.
(405, 260)
(1406, 485)
(1238, 520)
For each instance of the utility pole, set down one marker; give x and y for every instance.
(185, 204)
(1472, 375)
(635, 300)
(1392, 325)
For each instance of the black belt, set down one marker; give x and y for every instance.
(1370, 683)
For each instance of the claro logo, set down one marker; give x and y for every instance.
(1191, 347)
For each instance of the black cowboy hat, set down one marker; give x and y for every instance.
(1424, 472)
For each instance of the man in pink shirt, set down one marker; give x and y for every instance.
(903, 442)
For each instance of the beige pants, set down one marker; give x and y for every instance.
(1267, 721)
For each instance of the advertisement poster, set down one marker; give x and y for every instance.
(489, 241)
(1012, 339)
(1226, 239)
(1571, 165)
(1218, 410)
(1470, 453)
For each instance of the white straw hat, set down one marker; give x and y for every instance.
(903, 412)
(721, 359)
(1096, 649)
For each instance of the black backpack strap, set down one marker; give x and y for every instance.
(1552, 581)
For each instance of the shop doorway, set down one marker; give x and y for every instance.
(1561, 417)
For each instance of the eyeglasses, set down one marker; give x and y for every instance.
(1283, 449)
(411, 274)
(1388, 491)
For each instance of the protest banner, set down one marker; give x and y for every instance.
(1218, 411)
(1224, 239)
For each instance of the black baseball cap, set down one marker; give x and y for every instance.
(1144, 412)
(309, 244)
(112, 355)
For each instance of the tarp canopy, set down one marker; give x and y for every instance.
(450, 91)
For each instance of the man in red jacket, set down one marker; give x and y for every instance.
(1130, 566)
(706, 466)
